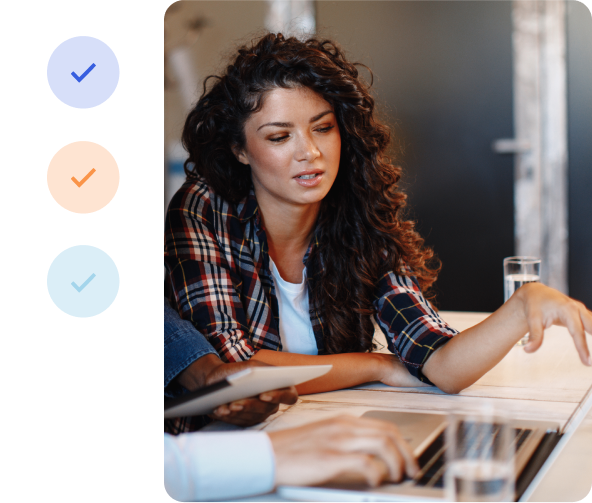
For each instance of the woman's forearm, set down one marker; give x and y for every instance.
(473, 352)
(349, 369)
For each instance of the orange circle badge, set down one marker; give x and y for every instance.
(83, 177)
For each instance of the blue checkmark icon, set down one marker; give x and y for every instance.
(83, 286)
(77, 263)
(83, 90)
(88, 70)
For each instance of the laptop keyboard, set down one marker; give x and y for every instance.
(431, 464)
(432, 460)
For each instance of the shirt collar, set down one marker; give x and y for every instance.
(248, 207)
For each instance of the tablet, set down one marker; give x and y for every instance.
(244, 384)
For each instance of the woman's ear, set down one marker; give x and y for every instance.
(240, 155)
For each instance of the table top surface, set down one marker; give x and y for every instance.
(545, 385)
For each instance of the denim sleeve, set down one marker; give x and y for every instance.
(183, 344)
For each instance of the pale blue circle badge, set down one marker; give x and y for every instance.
(83, 281)
(83, 72)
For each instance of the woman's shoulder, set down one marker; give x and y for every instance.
(195, 190)
(196, 199)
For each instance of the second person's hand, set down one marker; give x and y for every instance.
(345, 446)
(209, 369)
(250, 411)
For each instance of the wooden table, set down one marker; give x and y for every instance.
(544, 385)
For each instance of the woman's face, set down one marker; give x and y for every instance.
(293, 146)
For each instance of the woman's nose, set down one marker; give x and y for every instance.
(307, 150)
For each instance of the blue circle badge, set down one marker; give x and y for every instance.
(83, 72)
(83, 281)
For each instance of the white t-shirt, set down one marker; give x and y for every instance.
(295, 326)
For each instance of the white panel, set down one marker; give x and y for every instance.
(291, 17)
(540, 120)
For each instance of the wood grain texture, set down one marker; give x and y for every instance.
(540, 120)
(441, 402)
(527, 127)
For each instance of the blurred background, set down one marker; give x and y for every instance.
(490, 106)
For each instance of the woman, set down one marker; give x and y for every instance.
(286, 242)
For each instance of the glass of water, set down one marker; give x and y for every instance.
(479, 459)
(517, 272)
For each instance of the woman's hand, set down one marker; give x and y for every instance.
(343, 447)
(394, 373)
(544, 306)
(349, 369)
(533, 307)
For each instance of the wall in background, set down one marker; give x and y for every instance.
(579, 82)
(227, 24)
(443, 82)
(444, 76)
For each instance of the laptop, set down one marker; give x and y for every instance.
(537, 445)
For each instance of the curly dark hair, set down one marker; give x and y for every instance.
(360, 230)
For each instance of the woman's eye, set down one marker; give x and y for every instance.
(279, 138)
(325, 129)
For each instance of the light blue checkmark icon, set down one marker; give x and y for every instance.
(88, 70)
(83, 281)
(83, 286)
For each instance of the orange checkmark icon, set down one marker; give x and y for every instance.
(81, 182)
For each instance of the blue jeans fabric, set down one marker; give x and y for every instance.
(183, 344)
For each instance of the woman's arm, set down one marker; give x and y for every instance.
(464, 358)
(349, 369)
(534, 307)
(204, 276)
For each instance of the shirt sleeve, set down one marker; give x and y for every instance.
(204, 284)
(218, 465)
(183, 344)
(412, 327)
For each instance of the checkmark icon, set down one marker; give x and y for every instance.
(88, 70)
(81, 182)
(84, 285)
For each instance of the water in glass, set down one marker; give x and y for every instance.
(515, 281)
(480, 480)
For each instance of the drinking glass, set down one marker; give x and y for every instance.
(479, 458)
(517, 272)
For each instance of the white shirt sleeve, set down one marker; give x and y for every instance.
(218, 465)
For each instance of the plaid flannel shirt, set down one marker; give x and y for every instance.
(216, 255)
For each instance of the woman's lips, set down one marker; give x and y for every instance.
(310, 182)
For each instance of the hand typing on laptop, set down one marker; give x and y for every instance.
(197, 468)
(345, 447)
(360, 449)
